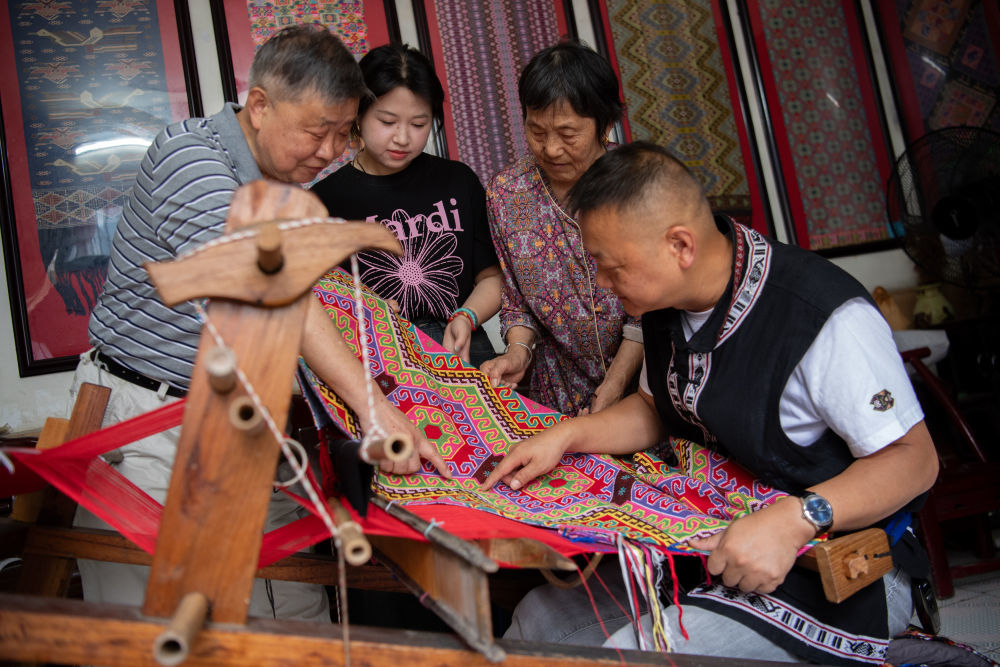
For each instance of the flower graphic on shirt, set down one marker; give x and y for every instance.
(423, 280)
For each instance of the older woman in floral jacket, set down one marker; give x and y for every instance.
(554, 315)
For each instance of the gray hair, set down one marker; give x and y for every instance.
(302, 59)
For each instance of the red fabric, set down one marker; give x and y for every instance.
(76, 469)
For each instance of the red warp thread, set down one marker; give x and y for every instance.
(597, 613)
(676, 594)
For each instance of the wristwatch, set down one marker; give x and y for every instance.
(818, 511)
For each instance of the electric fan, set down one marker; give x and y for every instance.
(944, 195)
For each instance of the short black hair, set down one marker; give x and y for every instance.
(575, 73)
(393, 65)
(621, 178)
(307, 58)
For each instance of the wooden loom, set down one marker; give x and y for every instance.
(197, 597)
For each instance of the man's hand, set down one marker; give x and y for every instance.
(458, 336)
(393, 421)
(508, 369)
(529, 459)
(756, 551)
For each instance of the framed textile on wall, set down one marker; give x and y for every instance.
(246, 24)
(945, 62)
(85, 87)
(479, 48)
(681, 91)
(826, 120)
(360, 25)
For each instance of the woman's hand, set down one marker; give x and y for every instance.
(607, 394)
(458, 337)
(509, 368)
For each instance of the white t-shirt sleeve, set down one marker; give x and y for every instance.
(851, 380)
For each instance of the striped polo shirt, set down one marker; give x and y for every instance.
(179, 201)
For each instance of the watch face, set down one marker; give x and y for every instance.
(819, 510)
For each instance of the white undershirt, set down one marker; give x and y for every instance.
(853, 359)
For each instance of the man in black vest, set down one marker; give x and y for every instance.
(776, 358)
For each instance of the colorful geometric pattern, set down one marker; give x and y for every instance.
(952, 61)
(676, 92)
(824, 113)
(344, 18)
(485, 44)
(587, 497)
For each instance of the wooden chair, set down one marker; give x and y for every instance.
(968, 486)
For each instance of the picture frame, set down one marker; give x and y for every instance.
(478, 54)
(944, 63)
(699, 112)
(84, 88)
(243, 25)
(831, 142)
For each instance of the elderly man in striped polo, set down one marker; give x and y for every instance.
(303, 99)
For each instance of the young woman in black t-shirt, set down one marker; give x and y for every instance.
(447, 282)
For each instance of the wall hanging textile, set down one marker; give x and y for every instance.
(479, 49)
(360, 25)
(827, 123)
(84, 86)
(680, 91)
(945, 58)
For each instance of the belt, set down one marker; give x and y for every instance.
(130, 375)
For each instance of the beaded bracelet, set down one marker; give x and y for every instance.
(531, 355)
(467, 312)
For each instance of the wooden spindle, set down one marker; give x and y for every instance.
(220, 362)
(393, 447)
(269, 256)
(357, 550)
(245, 416)
(172, 646)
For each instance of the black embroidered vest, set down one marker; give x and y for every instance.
(722, 387)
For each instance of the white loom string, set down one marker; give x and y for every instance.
(376, 430)
(250, 233)
(293, 461)
(297, 467)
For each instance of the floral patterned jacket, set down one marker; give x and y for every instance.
(550, 287)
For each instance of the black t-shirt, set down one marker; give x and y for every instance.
(437, 210)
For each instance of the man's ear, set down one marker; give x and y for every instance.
(681, 243)
(257, 105)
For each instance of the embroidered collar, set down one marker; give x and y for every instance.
(750, 265)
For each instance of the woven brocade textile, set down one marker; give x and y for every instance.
(676, 93)
(587, 497)
(344, 18)
(484, 45)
